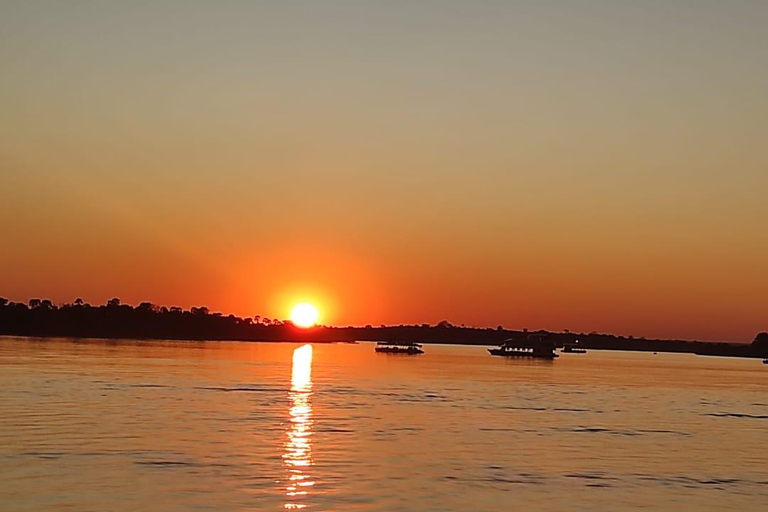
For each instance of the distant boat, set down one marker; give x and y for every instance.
(537, 348)
(573, 348)
(399, 347)
(511, 351)
(765, 361)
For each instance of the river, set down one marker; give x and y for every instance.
(94, 425)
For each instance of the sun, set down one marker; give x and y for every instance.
(304, 315)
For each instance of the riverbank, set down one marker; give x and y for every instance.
(121, 321)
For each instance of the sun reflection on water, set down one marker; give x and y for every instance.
(298, 445)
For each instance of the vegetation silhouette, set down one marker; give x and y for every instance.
(43, 318)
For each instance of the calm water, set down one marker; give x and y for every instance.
(239, 426)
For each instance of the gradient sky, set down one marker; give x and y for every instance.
(590, 165)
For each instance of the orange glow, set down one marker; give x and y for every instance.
(304, 315)
(442, 196)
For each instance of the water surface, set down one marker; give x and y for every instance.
(126, 425)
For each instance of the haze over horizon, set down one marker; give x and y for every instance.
(541, 165)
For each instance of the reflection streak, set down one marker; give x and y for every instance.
(298, 444)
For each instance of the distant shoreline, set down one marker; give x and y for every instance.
(742, 350)
(43, 319)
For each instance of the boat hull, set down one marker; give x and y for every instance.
(395, 350)
(520, 353)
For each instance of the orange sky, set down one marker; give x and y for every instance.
(538, 165)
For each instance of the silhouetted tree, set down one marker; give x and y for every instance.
(3, 302)
(113, 303)
(146, 307)
(761, 341)
(34, 303)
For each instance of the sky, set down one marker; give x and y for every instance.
(583, 165)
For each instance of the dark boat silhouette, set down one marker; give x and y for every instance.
(537, 348)
(574, 348)
(399, 347)
(765, 361)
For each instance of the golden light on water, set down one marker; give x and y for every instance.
(301, 375)
(298, 445)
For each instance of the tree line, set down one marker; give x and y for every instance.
(114, 319)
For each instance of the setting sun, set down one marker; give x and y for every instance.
(304, 315)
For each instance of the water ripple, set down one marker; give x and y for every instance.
(738, 415)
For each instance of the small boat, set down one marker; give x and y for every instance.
(573, 348)
(511, 351)
(765, 361)
(399, 347)
(538, 348)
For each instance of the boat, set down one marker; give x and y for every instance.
(765, 361)
(574, 348)
(399, 347)
(537, 348)
(511, 351)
